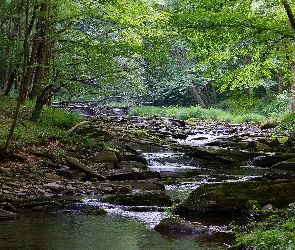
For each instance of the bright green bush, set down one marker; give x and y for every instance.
(288, 124)
(58, 118)
(269, 237)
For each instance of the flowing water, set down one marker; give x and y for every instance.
(125, 228)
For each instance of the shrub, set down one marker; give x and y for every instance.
(288, 124)
(265, 236)
(58, 118)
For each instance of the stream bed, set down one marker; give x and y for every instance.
(131, 227)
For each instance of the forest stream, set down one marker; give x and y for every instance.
(156, 180)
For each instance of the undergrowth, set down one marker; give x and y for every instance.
(53, 123)
(273, 233)
(196, 112)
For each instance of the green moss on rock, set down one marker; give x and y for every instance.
(234, 196)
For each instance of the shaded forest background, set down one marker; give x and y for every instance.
(162, 53)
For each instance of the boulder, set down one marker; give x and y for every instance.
(220, 155)
(176, 225)
(266, 160)
(286, 165)
(227, 199)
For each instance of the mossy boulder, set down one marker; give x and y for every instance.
(227, 199)
(220, 155)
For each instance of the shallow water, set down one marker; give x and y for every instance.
(42, 231)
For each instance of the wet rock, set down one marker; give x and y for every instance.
(75, 164)
(95, 211)
(170, 174)
(251, 145)
(146, 185)
(7, 207)
(6, 215)
(268, 207)
(175, 225)
(68, 174)
(230, 198)
(220, 155)
(118, 175)
(266, 160)
(269, 125)
(147, 198)
(286, 165)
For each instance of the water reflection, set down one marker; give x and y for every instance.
(40, 231)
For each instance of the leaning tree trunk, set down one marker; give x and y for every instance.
(292, 94)
(197, 95)
(292, 22)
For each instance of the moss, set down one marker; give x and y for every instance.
(36, 202)
(95, 211)
(235, 196)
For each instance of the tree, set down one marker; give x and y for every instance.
(71, 47)
(256, 38)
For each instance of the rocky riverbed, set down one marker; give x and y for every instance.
(113, 165)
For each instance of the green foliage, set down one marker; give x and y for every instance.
(265, 236)
(58, 118)
(52, 124)
(276, 107)
(288, 124)
(241, 45)
(196, 112)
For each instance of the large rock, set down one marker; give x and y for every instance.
(231, 197)
(220, 155)
(266, 160)
(175, 225)
(75, 164)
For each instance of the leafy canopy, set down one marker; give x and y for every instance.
(241, 42)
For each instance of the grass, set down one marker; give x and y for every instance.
(274, 108)
(196, 112)
(53, 123)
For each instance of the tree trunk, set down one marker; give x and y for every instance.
(195, 94)
(42, 53)
(292, 94)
